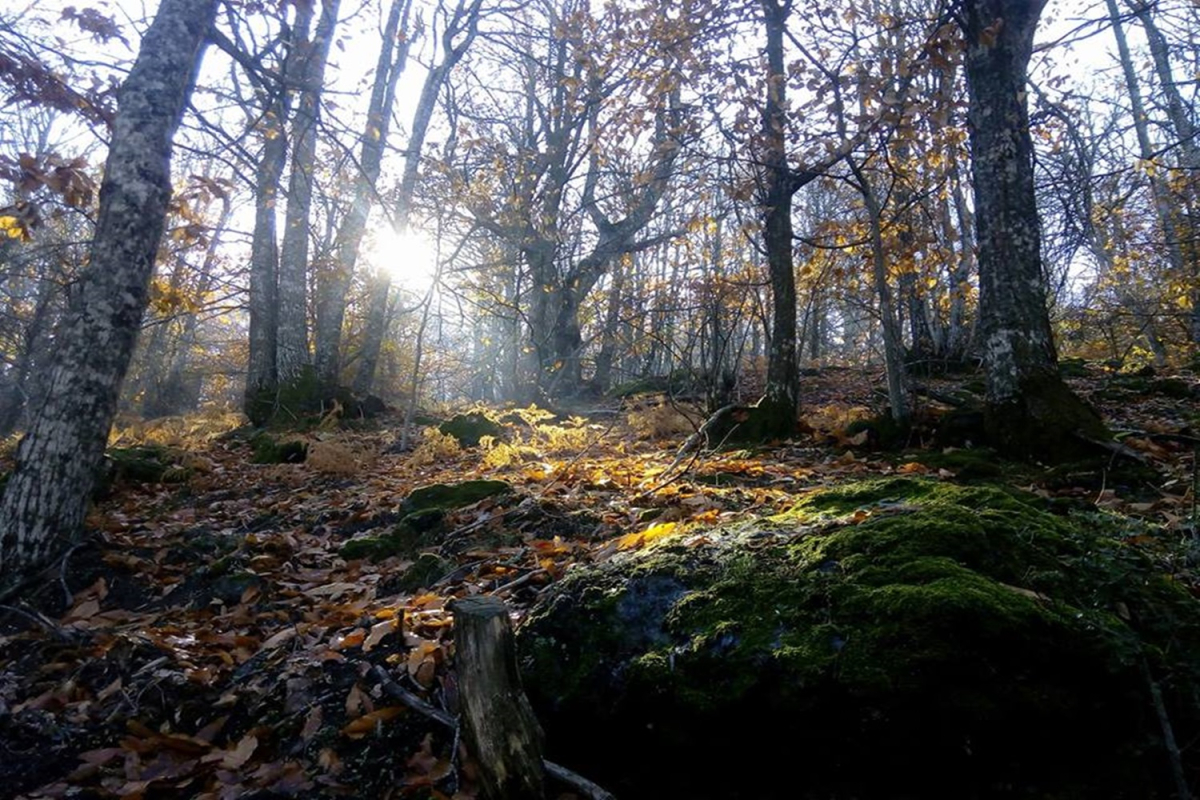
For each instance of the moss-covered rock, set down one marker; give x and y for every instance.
(967, 464)
(468, 429)
(413, 533)
(269, 450)
(453, 495)
(427, 570)
(139, 465)
(898, 638)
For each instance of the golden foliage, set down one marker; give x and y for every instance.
(435, 447)
(660, 421)
(184, 431)
(333, 457)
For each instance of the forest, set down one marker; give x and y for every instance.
(600, 398)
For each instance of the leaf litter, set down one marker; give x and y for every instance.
(207, 639)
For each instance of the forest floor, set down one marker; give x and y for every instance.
(207, 639)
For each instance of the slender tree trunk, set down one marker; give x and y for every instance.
(333, 285)
(1030, 410)
(291, 344)
(1164, 206)
(781, 401)
(464, 22)
(15, 395)
(262, 376)
(47, 493)
(1189, 159)
(893, 347)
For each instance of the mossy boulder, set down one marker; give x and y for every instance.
(899, 638)
(468, 429)
(416, 531)
(140, 465)
(427, 570)
(269, 450)
(453, 495)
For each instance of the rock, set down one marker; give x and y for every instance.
(428, 569)
(898, 638)
(138, 465)
(468, 429)
(415, 531)
(269, 450)
(453, 495)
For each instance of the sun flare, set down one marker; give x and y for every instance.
(409, 258)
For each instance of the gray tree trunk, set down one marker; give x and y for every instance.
(291, 344)
(464, 22)
(47, 494)
(1030, 410)
(262, 375)
(781, 401)
(333, 285)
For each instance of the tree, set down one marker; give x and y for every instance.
(333, 283)
(57, 460)
(292, 359)
(461, 26)
(1030, 410)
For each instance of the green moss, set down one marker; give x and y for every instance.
(453, 495)
(269, 450)
(967, 464)
(468, 429)
(891, 628)
(428, 570)
(1073, 368)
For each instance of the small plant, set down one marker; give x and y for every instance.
(436, 447)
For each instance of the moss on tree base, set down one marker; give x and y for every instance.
(1046, 422)
(894, 638)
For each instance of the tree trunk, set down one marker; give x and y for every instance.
(261, 373)
(47, 493)
(1189, 159)
(893, 347)
(464, 22)
(1030, 411)
(781, 400)
(291, 344)
(14, 397)
(333, 285)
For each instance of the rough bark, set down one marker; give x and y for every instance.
(500, 726)
(291, 343)
(333, 285)
(1030, 410)
(261, 374)
(47, 493)
(781, 400)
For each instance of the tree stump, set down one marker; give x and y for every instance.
(498, 722)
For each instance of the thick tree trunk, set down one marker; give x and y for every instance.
(47, 493)
(781, 400)
(1030, 410)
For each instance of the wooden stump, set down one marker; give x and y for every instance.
(498, 722)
